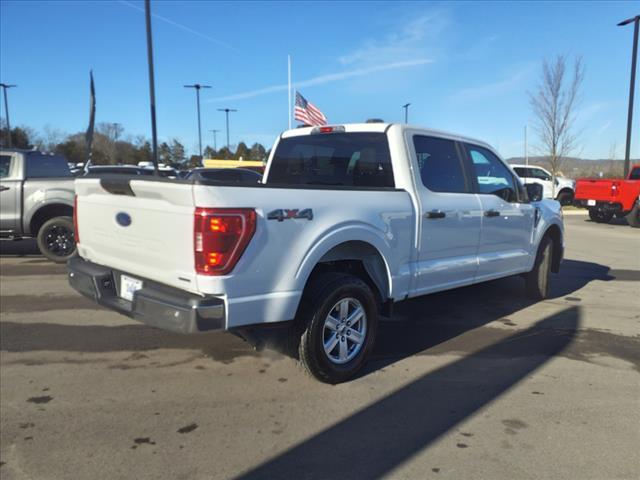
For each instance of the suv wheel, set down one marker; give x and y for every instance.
(537, 280)
(339, 319)
(56, 239)
(599, 216)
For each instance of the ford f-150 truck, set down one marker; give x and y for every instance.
(36, 200)
(605, 197)
(348, 220)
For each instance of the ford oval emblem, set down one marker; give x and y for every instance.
(123, 219)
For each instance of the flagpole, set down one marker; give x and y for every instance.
(289, 88)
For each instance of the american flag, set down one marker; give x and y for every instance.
(307, 112)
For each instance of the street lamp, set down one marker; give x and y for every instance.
(152, 87)
(215, 144)
(226, 111)
(634, 57)
(197, 87)
(6, 110)
(406, 112)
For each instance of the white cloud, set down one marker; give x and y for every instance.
(495, 88)
(179, 25)
(413, 39)
(323, 79)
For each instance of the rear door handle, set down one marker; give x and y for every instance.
(3, 188)
(435, 214)
(491, 213)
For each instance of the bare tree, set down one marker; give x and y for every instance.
(554, 104)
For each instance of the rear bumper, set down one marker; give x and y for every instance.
(155, 304)
(613, 207)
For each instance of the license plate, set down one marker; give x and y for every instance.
(591, 203)
(128, 286)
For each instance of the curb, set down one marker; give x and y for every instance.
(575, 212)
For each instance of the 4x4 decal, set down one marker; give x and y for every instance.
(284, 214)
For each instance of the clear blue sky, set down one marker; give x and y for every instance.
(465, 67)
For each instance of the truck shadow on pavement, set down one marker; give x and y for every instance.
(375, 440)
(418, 325)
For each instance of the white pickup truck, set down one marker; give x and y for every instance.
(348, 220)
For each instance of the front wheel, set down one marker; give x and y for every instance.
(537, 280)
(56, 239)
(339, 319)
(599, 216)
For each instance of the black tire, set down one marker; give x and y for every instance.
(565, 197)
(633, 217)
(537, 280)
(324, 294)
(599, 216)
(56, 239)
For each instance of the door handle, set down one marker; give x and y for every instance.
(435, 214)
(3, 188)
(491, 213)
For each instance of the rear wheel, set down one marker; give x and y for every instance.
(56, 239)
(339, 319)
(633, 217)
(537, 280)
(599, 216)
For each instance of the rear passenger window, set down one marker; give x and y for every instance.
(440, 165)
(42, 166)
(358, 159)
(492, 175)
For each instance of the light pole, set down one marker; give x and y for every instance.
(226, 111)
(634, 57)
(197, 87)
(6, 110)
(215, 144)
(152, 87)
(406, 112)
(116, 127)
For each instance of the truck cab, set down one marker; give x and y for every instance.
(36, 200)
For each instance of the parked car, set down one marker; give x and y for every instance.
(606, 197)
(349, 219)
(225, 175)
(36, 200)
(564, 187)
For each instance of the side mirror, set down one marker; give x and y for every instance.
(534, 191)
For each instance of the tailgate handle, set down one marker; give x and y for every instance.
(491, 213)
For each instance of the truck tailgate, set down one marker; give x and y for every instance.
(594, 189)
(156, 244)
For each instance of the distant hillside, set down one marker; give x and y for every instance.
(581, 167)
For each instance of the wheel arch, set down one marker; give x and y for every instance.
(555, 234)
(47, 212)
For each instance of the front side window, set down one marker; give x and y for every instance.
(440, 165)
(492, 175)
(5, 165)
(540, 174)
(357, 159)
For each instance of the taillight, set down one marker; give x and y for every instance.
(614, 189)
(76, 232)
(220, 238)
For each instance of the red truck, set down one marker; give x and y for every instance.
(608, 197)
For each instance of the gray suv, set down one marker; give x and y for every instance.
(36, 200)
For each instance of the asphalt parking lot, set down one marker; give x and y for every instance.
(473, 383)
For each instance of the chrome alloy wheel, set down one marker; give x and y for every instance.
(345, 330)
